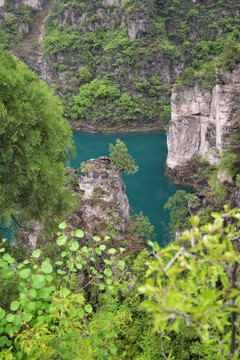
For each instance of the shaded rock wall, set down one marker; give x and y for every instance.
(202, 121)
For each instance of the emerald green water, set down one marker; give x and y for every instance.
(147, 190)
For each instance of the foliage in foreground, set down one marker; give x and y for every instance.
(35, 143)
(198, 284)
(48, 319)
(85, 305)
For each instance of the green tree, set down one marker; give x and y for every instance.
(231, 54)
(179, 212)
(121, 158)
(198, 284)
(35, 141)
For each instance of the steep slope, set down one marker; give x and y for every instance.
(113, 62)
(203, 122)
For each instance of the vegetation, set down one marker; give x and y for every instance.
(121, 158)
(198, 285)
(56, 311)
(179, 212)
(35, 145)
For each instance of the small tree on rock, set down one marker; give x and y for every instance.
(121, 158)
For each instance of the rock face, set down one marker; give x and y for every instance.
(202, 122)
(105, 207)
(37, 4)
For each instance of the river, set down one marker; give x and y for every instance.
(147, 190)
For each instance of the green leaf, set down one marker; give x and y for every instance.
(79, 233)
(38, 281)
(46, 267)
(14, 305)
(88, 308)
(96, 238)
(108, 272)
(36, 253)
(74, 245)
(121, 250)
(32, 293)
(10, 317)
(108, 262)
(63, 225)
(61, 240)
(98, 251)
(102, 247)
(112, 251)
(24, 274)
(121, 265)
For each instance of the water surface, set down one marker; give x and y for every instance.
(147, 190)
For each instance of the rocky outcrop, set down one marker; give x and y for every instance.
(105, 207)
(102, 209)
(202, 122)
(36, 4)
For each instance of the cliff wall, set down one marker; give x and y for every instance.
(113, 62)
(36, 4)
(102, 208)
(202, 122)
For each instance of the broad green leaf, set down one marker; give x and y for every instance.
(88, 308)
(61, 240)
(46, 267)
(32, 293)
(108, 262)
(24, 274)
(96, 238)
(98, 251)
(79, 233)
(108, 272)
(14, 305)
(112, 251)
(102, 247)
(121, 265)
(36, 253)
(38, 281)
(10, 317)
(74, 245)
(63, 225)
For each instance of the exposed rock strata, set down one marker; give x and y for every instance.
(37, 4)
(202, 122)
(105, 205)
(103, 208)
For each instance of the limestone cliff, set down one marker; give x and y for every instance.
(105, 205)
(37, 4)
(102, 208)
(202, 122)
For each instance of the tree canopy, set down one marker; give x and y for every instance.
(121, 158)
(35, 141)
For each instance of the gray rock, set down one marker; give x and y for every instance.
(203, 121)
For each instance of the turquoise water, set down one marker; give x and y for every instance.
(147, 190)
